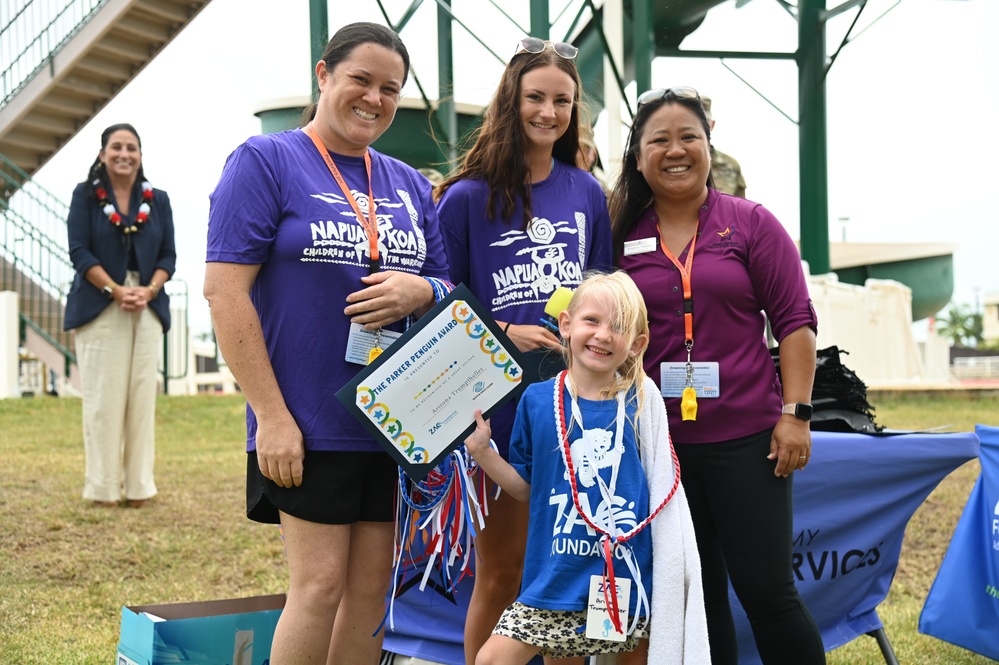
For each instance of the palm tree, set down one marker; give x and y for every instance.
(961, 326)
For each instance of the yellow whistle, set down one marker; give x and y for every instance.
(374, 353)
(688, 404)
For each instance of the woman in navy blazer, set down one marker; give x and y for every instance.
(121, 243)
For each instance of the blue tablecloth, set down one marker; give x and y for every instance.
(963, 604)
(851, 506)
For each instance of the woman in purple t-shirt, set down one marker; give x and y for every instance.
(312, 235)
(713, 270)
(519, 221)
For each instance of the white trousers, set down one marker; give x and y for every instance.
(117, 353)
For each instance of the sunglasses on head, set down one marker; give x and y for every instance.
(682, 92)
(536, 45)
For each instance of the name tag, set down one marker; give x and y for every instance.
(598, 619)
(361, 341)
(673, 379)
(640, 246)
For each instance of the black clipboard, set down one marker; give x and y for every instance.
(449, 336)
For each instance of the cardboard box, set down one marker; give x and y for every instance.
(215, 632)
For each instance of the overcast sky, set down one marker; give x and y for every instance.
(913, 104)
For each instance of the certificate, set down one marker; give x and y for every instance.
(418, 399)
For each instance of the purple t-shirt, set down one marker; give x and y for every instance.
(277, 205)
(514, 272)
(745, 266)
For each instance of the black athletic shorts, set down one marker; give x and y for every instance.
(337, 488)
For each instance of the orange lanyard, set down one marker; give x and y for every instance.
(370, 225)
(688, 400)
(685, 270)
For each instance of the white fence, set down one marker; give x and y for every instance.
(982, 367)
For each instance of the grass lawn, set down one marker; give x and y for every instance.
(66, 568)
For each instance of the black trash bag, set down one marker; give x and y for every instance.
(839, 397)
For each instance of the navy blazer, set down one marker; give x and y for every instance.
(94, 240)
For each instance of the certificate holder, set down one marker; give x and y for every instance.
(418, 398)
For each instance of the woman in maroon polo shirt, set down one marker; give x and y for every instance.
(714, 269)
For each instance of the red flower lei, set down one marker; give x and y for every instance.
(108, 209)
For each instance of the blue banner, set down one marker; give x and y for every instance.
(851, 506)
(963, 604)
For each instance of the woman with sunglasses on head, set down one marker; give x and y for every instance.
(312, 235)
(519, 221)
(714, 269)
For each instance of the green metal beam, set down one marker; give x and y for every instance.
(540, 26)
(643, 44)
(319, 30)
(670, 52)
(836, 11)
(812, 147)
(446, 111)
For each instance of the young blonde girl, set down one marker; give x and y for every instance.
(590, 452)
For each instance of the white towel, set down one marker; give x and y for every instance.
(678, 632)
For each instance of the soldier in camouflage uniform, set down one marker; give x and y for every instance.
(588, 158)
(725, 170)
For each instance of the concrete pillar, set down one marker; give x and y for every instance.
(9, 342)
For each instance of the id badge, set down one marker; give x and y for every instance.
(361, 341)
(673, 379)
(598, 619)
(641, 246)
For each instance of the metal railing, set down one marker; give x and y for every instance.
(976, 367)
(34, 255)
(31, 32)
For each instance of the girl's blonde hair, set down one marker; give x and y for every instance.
(628, 316)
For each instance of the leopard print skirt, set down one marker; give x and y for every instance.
(560, 633)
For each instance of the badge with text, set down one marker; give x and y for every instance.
(418, 398)
(360, 343)
(641, 246)
(598, 618)
(673, 379)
